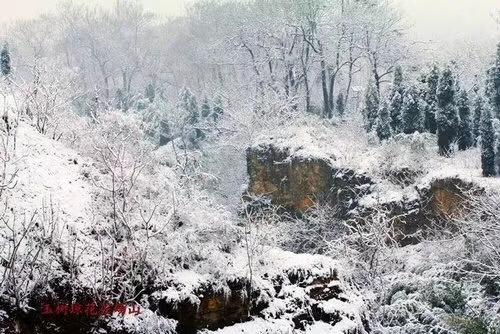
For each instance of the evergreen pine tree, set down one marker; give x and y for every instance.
(384, 122)
(395, 107)
(447, 116)
(165, 132)
(478, 109)
(493, 84)
(189, 104)
(205, 108)
(496, 128)
(487, 143)
(340, 105)
(5, 60)
(218, 109)
(396, 100)
(412, 118)
(371, 106)
(430, 96)
(150, 92)
(465, 136)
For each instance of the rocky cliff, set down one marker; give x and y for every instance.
(298, 183)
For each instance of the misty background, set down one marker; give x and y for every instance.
(440, 21)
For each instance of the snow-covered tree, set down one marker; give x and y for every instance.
(150, 92)
(372, 103)
(396, 100)
(188, 103)
(430, 97)
(340, 105)
(465, 133)
(5, 60)
(447, 116)
(218, 109)
(487, 143)
(478, 107)
(205, 108)
(395, 108)
(397, 84)
(493, 84)
(496, 128)
(384, 122)
(411, 116)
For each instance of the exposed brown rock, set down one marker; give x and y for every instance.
(447, 198)
(297, 183)
(216, 309)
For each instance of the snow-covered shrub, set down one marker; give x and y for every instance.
(318, 232)
(123, 156)
(48, 99)
(480, 229)
(447, 296)
(402, 153)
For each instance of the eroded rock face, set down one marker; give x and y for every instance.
(439, 204)
(297, 184)
(447, 198)
(214, 308)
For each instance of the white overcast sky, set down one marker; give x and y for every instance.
(437, 20)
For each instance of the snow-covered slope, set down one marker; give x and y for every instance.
(50, 174)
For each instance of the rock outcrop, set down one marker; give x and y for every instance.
(297, 184)
(291, 287)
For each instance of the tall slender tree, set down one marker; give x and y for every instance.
(340, 105)
(487, 143)
(465, 135)
(493, 84)
(218, 109)
(396, 100)
(395, 108)
(384, 122)
(5, 60)
(478, 107)
(496, 128)
(412, 118)
(447, 116)
(430, 97)
(205, 108)
(372, 104)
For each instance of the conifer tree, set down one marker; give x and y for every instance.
(340, 105)
(496, 128)
(478, 109)
(150, 92)
(372, 103)
(218, 109)
(395, 107)
(430, 96)
(465, 136)
(165, 132)
(384, 122)
(396, 100)
(487, 143)
(447, 116)
(205, 108)
(412, 118)
(397, 84)
(5, 60)
(189, 104)
(493, 84)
